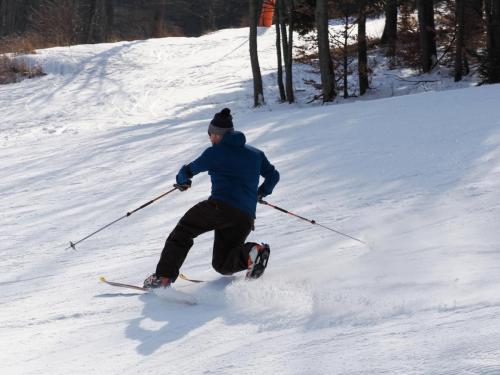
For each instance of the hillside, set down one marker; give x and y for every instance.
(417, 177)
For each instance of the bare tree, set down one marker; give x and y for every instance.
(389, 35)
(325, 59)
(285, 11)
(110, 16)
(362, 48)
(287, 8)
(427, 33)
(258, 92)
(96, 17)
(7, 16)
(491, 70)
(279, 78)
(342, 39)
(14, 15)
(159, 19)
(289, 68)
(97, 22)
(459, 39)
(56, 21)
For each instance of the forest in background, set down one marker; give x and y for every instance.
(36, 23)
(418, 34)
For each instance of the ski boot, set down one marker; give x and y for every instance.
(153, 282)
(257, 261)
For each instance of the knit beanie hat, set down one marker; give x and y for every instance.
(221, 123)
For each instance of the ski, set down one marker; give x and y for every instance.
(184, 277)
(122, 285)
(169, 294)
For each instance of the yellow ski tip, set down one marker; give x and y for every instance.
(184, 277)
(103, 279)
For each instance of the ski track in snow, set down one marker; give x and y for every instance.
(417, 177)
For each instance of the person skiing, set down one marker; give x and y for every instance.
(234, 168)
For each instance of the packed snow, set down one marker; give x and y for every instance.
(416, 177)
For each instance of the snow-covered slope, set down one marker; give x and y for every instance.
(417, 177)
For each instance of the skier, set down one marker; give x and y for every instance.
(234, 168)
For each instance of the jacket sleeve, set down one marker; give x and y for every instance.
(271, 177)
(201, 164)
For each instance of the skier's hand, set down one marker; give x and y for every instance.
(184, 186)
(260, 194)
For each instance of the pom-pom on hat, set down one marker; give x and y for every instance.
(221, 123)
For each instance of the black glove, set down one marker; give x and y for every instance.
(260, 194)
(184, 186)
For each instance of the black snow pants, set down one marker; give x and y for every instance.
(230, 252)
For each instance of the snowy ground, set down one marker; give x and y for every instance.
(417, 177)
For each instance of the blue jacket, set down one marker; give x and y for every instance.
(234, 169)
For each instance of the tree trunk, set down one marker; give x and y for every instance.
(258, 93)
(427, 33)
(492, 9)
(325, 59)
(390, 33)
(287, 43)
(159, 19)
(284, 33)
(281, 87)
(6, 16)
(459, 39)
(110, 15)
(473, 19)
(362, 49)
(346, 55)
(13, 16)
(97, 29)
(211, 16)
(477, 6)
(289, 53)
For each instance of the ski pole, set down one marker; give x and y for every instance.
(73, 244)
(261, 201)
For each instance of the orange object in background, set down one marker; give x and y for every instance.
(266, 16)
